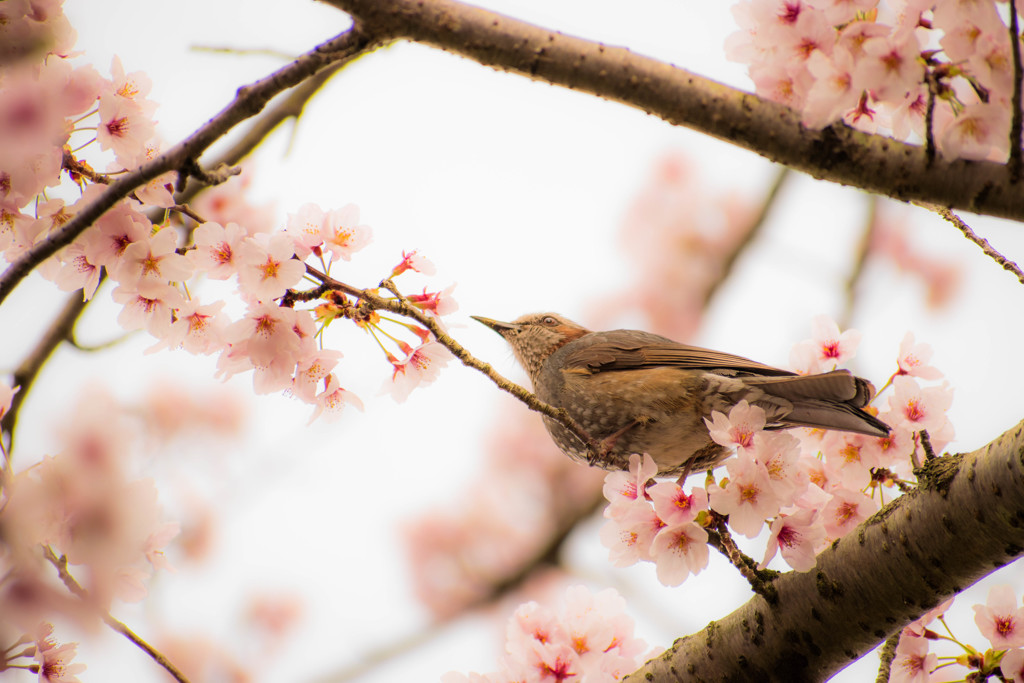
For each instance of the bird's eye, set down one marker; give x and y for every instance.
(549, 320)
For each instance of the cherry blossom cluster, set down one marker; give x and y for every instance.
(877, 66)
(592, 640)
(46, 103)
(810, 487)
(1000, 621)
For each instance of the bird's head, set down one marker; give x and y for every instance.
(535, 336)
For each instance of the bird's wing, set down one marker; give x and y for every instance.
(628, 350)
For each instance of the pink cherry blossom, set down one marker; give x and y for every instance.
(148, 305)
(342, 234)
(779, 452)
(413, 260)
(311, 371)
(438, 303)
(77, 272)
(1012, 666)
(305, 227)
(913, 663)
(332, 399)
(421, 367)
(153, 259)
(916, 407)
(919, 626)
(629, 535)
(826, 349)
(216, 249)
(1001, 618)
(748, 498)
(55, 660)
(623, 488)
(913, 359)
(799, 536)
(980, 131)
(673, 505)
(266, 268)
(845, 511)
(197, 328)
(124, 127)
(890, 67)
(679, 551)
(739, 428)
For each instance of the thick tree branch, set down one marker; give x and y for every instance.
(964, 522)
(250, 100)
(838, 153)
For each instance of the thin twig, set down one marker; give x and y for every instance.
(748, 237)
(25, 374)
(929, 119)
(861, 258)
(980, 241)
(61, 563)
(1017, 120)
(885, 657)
(401, 306)
(760, 582)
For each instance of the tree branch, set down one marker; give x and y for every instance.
(76, 588)
(838, 153)
(964, 523)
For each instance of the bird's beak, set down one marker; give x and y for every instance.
(496, 325)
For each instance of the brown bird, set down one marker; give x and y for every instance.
(637, 392)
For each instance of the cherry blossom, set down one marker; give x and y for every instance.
(413, 260)
(739, 428)
(673, 505)
(332, 399)
(630, 534)
(845, 511)
(198, 328)
(1001, 618)
(913, 359)
(826, 349)
(798, 536)
(918, 408)
(748, 498)
(216, 249)
(1012, 666)
(153, 259)
(679, 551)
(622, 488)
(55, 660)
(305, 227)
(913, 663)
(342, 234)
(266, 268)
(421, 367)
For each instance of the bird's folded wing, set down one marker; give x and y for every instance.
(624, 354)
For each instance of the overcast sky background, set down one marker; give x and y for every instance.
(516, 190)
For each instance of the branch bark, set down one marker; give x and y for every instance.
(964, 522)
(838, 153)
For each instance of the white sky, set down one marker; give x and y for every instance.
(516, 190)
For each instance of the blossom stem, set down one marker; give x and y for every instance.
(980, 241)
(61, 563)
(885, 657)
(1016, 122)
